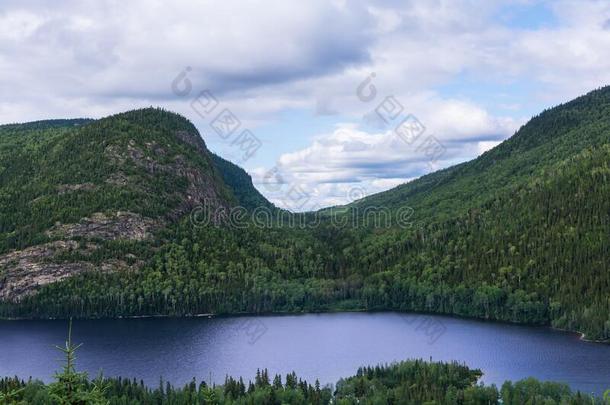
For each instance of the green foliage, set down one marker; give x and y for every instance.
(62, 171)
(519, 234)
(408, 382)
(413, 382)
(71, 387)
(240, 182)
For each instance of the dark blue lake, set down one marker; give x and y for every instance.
(324, 346)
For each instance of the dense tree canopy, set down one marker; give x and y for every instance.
(519, 234)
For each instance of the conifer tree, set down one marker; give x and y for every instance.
(72, 387)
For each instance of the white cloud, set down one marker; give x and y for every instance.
(270, 56)
(96, 57)
(350, 161)
(486, 145)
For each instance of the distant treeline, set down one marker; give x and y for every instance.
(408, 382)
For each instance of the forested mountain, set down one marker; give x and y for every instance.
(527, 223)
(519, 234)
(74, 190)
(240, 182)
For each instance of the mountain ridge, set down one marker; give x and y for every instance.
(519, 234)
(119, 179)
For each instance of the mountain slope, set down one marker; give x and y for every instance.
(538, 253)
(552, 136)
(240, 182)
(519, 234)
(72, 188)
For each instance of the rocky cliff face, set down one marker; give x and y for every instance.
(202, 186)
(24, 271)
(152, 169)
(120, 225)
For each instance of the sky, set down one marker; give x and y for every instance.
(322, 102)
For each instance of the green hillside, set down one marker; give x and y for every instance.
(76, 194)
(550, 138)
(240, 182)
(65, 170)
(523, 231)
(519, 234)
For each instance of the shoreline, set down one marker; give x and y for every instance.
(581, 335)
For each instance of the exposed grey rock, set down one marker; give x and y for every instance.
(22, 272)
(201, 190)
(121, 225)
(192, 139)
(118, 179)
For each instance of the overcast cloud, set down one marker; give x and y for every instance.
(471, 72)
